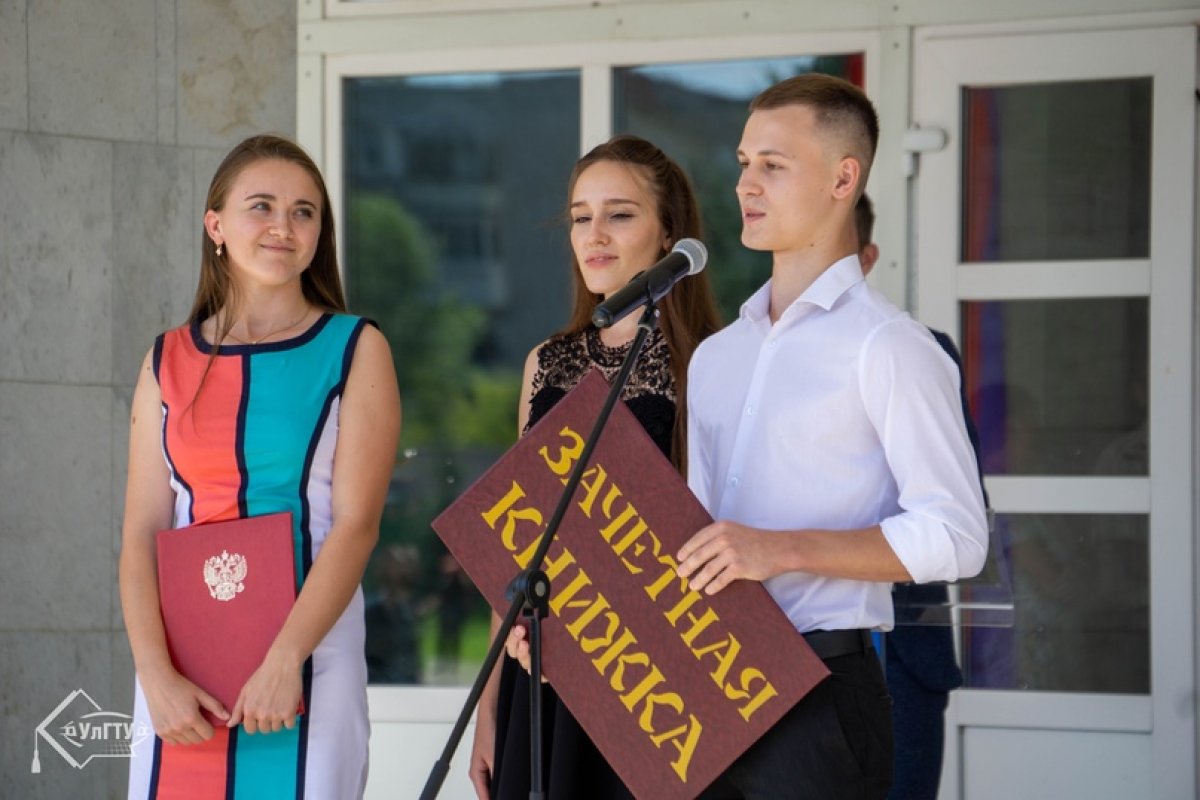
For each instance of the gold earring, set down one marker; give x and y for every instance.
(220, 249)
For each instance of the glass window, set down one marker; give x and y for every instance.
(1059, 387)
(1056, 171)
(455, 245)
(1081, 618)
(453, 242)
(695, 113)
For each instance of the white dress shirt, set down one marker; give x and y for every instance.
(844, 414)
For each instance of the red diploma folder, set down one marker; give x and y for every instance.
(225, 589)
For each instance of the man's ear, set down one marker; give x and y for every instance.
(868, 256)
(848, 171)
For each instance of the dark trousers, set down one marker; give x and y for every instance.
(919, 730)
(835, 744)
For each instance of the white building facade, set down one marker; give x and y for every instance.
(1036, 192)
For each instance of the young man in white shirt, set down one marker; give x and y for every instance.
(826, 438)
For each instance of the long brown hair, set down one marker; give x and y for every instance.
(688, 312)
(321, 282)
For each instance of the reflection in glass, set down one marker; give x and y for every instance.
(1056, 171)
(1081, 590)
(695, 112)
(1059, 387)
(982, 601)
(454, 245)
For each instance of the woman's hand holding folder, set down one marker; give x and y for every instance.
(175, 704)
(268, 701)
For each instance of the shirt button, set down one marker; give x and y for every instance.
(750, 411)
(734, 481)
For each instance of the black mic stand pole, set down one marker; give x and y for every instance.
(530, 594)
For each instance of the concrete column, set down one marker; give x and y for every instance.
(113, 116)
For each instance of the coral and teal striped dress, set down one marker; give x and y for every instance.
(260, 439)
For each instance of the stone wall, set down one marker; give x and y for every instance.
(113, 116)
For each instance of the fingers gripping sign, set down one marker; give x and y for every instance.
(725, 551)
(517, 646)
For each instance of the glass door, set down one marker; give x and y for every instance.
(1055, 238)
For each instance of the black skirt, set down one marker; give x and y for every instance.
(572, 766)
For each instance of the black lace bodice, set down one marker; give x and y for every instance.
(562, 361)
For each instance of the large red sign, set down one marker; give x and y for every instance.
(672, 685)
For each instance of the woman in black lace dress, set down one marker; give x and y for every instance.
(628, 205)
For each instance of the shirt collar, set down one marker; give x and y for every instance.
(758, 305)
(824, 291)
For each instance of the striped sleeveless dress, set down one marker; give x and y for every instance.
(260, 439)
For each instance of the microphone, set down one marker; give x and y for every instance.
(687, 257)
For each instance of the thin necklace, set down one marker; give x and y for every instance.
(289, 326)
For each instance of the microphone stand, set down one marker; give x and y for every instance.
(530, 595)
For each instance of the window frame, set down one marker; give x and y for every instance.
(595, 62)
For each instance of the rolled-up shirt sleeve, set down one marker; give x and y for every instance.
(910, 389)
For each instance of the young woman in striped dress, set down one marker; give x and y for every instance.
(270, 398)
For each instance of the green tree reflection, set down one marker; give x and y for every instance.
(458, 416)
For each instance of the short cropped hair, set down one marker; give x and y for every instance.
(841, 109)
(864, 220)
